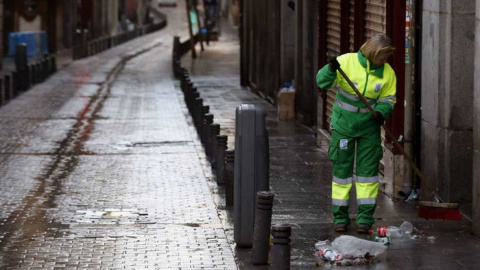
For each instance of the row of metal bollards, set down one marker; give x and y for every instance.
(88, 48)
(26, 74)
(222, 161)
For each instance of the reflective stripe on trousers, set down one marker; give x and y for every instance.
(366, 187)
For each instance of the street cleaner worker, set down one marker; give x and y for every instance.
(355, 130)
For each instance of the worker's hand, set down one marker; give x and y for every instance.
(333, 65)
(378, 117)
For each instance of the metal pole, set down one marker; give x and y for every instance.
(229, 176)
(281, 247)
(198, 112)
(212, 144)
(192, 98)
(220, 158)
(208, 120)
(261, 228)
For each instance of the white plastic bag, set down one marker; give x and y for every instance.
(353, 246)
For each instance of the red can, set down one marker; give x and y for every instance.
(382, 231)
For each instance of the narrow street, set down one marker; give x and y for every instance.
(101, 168)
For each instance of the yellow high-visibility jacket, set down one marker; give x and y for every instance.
(377, 84)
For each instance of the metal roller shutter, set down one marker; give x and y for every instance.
(375, 17)
(352, 25)
(333, 46)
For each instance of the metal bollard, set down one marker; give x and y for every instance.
(212, 144)
(229, 176)
(8, 86)
(205, 109)
(208, 120)
(220, 158)
(21, 65)
(44, 70)
(192, 99)
(21, 59)
(3, 94)
(184, 81)
(15, 83)
(31, 73)
(53, 64)
(197, 111)
(37, 76)
(281, 247)
(261, 227)
(251, 169)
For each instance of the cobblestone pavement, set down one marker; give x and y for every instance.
(99, 169)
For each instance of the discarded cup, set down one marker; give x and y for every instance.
(406, 227)
(322, 244)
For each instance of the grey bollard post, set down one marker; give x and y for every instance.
(3, 94)
(281, 247)
(251, 169)
(212, 144)
(21, 65)
(8, 86)
(36, 74)
(192, 98)
(220, 158)
(192, 95)
(21, 60)
(197, 111)
(85, 44)
(54, 63)
(205, 109)
(184, 81)
(15, 83)
(229, 176)
(207, 121)
(261, 229)
(31, 75)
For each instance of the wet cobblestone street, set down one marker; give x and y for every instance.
(99, 170)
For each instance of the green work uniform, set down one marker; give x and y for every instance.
(352, 124)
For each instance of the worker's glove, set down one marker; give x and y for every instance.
(333, 65)
(378, 117)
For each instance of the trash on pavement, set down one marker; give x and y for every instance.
(407, 227)
(384, 240)
(348, 251)
(395, 232)
(354, 246)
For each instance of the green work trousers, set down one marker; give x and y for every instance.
(367, 151)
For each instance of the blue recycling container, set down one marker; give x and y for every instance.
(37, 43)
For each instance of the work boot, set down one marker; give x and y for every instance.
(363, 228)
(341, 227)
